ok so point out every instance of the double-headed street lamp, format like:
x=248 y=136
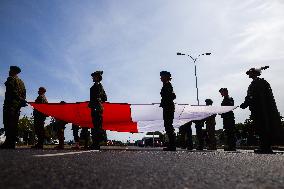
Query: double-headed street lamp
x=194 y=61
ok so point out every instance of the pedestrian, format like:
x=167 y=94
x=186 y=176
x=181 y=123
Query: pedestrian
x=97 y=98
x=15 y=98
x=228 y=121
x=264 y=112
x=167 y=103
x=39 y=119
x=210 y=123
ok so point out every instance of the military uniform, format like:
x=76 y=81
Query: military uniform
x=39 y=119
x=97 y=97
x=229 y=124
x=264 y=113
x=168 y=106
x=15 y=96
x=210 y=129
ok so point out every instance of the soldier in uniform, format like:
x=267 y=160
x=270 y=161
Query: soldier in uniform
x=168 y=106
x=264 y=112
x=228 y=121
x=97 y=97
x=39 y=119
x=210 y=128
x=15 y=96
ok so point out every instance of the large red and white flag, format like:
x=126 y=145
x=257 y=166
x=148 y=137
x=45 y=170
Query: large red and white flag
x=123 y=117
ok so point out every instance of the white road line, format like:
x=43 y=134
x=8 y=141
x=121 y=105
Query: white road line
x=66 y=153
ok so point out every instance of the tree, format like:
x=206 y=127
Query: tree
x=26 y=129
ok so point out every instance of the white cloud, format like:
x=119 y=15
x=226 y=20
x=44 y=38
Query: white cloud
x=2 y=92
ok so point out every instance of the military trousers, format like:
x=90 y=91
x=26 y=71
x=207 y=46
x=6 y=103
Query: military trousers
x=39 y=129
x=75 y=130
x=199 y=135
x=97 y=131
x=168 y=116
x=10 y=121
x=229 y=127
x=210 y=128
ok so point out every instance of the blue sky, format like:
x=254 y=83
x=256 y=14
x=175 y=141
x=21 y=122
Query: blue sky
x=59 y=43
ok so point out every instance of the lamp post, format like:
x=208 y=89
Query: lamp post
x=195 y=70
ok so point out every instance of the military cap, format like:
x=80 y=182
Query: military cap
x=100 y=73
x=16 y=69
x=223 y=89
x=165 y=73
x=254 y=71
x=208 y=102
x=42 y=89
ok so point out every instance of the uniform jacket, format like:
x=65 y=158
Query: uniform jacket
x=41 y=99
x=168 y=95
x=228 y=101
x=262 y=105
x=97 y=97
x=15 y=94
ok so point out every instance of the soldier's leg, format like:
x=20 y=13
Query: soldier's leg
x=189 y=142
x=97 y=130
x=85 y=136
x=168 y=115
x=39 y=130
x=7 y=117
x=229 y=129
x=211 y=137
x=199 y=136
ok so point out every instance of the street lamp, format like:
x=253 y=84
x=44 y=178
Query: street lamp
x=194 y=61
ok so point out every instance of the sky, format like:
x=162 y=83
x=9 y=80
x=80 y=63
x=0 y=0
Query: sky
x=58 y=44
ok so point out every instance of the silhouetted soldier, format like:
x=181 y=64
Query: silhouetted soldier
x=60 y=127
x=210 y=128
x=97 y=97
x=39 y=119
x=167 y=103
x=264 y=113
x=228 y=121
x=186 y=136
x=15 y=96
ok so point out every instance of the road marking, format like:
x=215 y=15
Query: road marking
x=66 y=153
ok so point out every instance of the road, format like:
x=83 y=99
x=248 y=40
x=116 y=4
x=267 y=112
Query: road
x=139 y=168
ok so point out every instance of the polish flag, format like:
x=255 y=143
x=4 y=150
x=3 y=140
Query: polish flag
x=123 y=117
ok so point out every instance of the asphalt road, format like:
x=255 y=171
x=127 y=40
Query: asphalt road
x=139 y=168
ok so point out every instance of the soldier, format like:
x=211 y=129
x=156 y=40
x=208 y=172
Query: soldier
x=168 y=106
x=210 y=128
x=264 y=113
x=39 y=119
x=97 y=97
x=15 y=96
x=60 y=127
x=228 y=121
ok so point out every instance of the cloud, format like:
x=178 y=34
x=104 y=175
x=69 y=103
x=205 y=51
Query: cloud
x=2 y=92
